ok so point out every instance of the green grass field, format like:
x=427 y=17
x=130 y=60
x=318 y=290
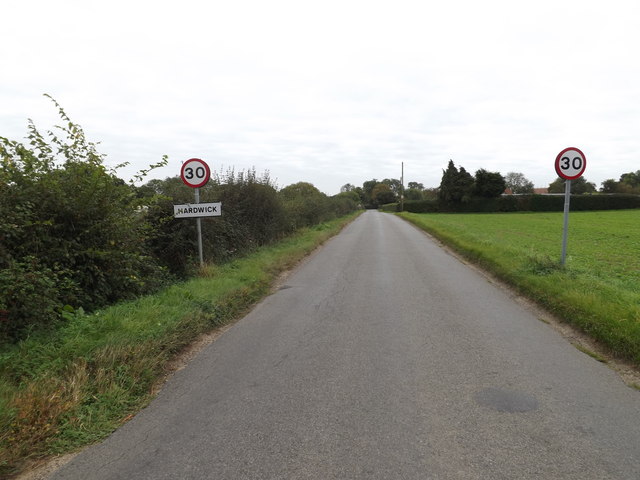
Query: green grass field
x=598 y=289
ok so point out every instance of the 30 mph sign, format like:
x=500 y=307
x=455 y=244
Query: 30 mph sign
x=195 y=173
x=570 y=163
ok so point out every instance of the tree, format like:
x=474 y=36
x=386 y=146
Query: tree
x=394 y=184
x=578 y=187
x=609 y=186
x=345 y=202
x=300 y=189
x=413 y=194
x=464 y=186
x=489 y=184
x=518 y=183
x=632 y=179
x=382 y=194
x=367 y=189
x=629 y=183
x=456 y=185
x=414 y=191
x=447 y=184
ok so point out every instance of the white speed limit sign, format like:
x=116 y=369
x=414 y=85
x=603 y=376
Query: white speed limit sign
x=570 y=163
x=195 y=173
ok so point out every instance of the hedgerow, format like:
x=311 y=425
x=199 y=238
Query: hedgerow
x=73 y=235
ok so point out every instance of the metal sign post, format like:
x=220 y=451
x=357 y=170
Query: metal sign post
x=565 y=231
x=199 y=227
x=195 y=173
x=570 y=165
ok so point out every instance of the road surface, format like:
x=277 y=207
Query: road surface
x=382 y=357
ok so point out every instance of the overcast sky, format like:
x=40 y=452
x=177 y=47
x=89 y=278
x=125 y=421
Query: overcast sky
x=332 y=92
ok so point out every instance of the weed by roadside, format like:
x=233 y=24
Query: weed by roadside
x=542 y=265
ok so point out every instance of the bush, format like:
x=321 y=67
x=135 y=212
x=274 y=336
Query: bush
x=71 y=232
x=74 y=235
x=32 y=296
x=305 y=205
x=252 y=215
x=344 y=203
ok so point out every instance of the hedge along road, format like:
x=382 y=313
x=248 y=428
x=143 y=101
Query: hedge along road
x=382 y=357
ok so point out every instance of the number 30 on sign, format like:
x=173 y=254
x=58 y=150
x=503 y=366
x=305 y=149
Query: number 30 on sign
x=570 y=163
x=195 y=173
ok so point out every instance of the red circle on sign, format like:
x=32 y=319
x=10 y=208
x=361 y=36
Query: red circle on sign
x=195 y=173
x=570 y=163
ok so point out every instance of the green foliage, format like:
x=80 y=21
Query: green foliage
x=381 y=194
x=488 y=184
x=518 y=183
x=375 y=193
x=31 y=296
x=456 y=185
x=346 y=202
x=70 y=230
x=304 y=205
x=539 y=264
x=413 y=194
x=252 y=211
x=422 y=206
x=629 y=183
x=463 y=187
x=367 y=188
x=74 y=235
x=254 y=214
x=528 y=203
x=578 y=187
x=631 y=178
x=609 y=186
x=394 y=185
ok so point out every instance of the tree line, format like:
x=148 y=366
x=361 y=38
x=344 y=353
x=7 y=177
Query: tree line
x=458 y=186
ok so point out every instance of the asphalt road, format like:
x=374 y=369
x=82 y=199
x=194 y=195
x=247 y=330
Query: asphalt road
x=382 y=357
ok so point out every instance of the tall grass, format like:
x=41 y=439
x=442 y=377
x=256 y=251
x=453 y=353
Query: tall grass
x=67 y=389
x=599 y=287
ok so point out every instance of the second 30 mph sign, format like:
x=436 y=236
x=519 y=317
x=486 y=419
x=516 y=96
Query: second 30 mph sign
x=570 y=163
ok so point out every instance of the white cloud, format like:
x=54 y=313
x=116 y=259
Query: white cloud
x=333 y=92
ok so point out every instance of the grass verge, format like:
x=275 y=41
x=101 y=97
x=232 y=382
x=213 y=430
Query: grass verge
x=598 y=289
x=63 y=390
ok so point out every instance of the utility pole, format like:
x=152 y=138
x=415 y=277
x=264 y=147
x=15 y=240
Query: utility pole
x=402 y=189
